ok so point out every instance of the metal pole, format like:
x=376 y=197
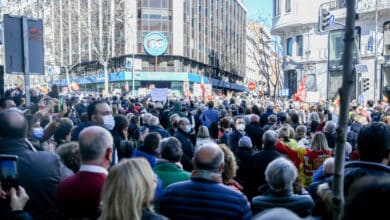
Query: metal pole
x=26 y=60
x=376 y=50
x=155 y=64
x=132 y=71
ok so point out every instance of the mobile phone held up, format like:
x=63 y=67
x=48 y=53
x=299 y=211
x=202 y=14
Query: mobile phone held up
x=8 y=171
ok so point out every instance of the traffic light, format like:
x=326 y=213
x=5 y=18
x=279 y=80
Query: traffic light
x=365 y=84
x=325 y=16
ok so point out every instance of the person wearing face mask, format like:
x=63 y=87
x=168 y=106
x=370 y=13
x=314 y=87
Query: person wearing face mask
x=237 y=133
x=99 y=113
x=173 y=124
x=183 y=134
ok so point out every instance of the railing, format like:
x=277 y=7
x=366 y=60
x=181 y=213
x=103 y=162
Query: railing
x=361 y=5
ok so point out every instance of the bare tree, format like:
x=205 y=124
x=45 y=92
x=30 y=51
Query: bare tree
x=258 y=51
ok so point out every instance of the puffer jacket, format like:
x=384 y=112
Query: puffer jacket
x=203 y=199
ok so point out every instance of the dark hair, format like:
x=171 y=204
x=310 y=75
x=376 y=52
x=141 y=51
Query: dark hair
x=373 y=142
x=366 y=198
x=170 y=149
x=210 y=104
x=295 y=118
x=91 y=109
x=224 y=123
x=65 y=128
x=121 y=122
x=151 y=143
x=3 y=102
x=12 y=128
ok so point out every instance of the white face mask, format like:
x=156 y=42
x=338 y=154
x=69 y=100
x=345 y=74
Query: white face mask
x=108 y=122
x=240 y=127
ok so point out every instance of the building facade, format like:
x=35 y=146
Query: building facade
x=259 y=56
x=206 y=41
x=318 y=55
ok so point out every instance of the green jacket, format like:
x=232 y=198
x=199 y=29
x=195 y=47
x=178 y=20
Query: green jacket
x=170 y=173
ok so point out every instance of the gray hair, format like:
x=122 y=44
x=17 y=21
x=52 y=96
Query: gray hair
x=146 y=117
x=281 y=174
x=214 y=163
x=170 y=149
x=93 y=142
x=270 y=137
x=329 y=165
x=330 y=126
x=314 y=116
x=153 y=120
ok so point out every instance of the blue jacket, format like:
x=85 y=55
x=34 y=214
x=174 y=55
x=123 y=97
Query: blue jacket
x=208 y=117
x=150 y=158
x=203 y=199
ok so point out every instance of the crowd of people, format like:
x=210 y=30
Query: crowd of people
x=94 y=157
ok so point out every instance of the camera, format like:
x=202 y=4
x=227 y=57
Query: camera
x=8 y=171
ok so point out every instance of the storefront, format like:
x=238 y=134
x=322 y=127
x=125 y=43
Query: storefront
x=177 y=82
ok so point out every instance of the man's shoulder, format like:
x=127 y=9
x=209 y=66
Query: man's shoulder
x=81 y=178
x=353 y=167
x=202 y=186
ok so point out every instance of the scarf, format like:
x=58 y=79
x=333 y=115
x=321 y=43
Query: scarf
x=207 y=175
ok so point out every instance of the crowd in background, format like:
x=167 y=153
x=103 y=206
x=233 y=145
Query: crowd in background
x=239 y=157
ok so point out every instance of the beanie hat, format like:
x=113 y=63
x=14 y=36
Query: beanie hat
x=245 y=141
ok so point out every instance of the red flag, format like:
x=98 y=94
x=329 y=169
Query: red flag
x=301 y=93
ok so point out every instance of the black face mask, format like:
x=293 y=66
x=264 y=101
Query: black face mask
x=174 y=124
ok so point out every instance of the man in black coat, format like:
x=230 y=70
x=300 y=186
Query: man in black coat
x=38 y=172
x=237 y=133
x=254 y=131
x=260 y=161
x=183 y=134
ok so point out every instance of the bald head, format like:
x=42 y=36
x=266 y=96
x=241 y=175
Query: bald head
x=209 y=157
x=13 y=124
x=93 y=142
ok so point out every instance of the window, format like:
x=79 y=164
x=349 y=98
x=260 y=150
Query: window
x=336 y=44
x=288 y=6
x=386 y=38
x=300 y=45
x=277 y=8
x=289 y=46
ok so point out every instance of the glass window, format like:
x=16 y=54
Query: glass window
x=386 y=38
x=155 y=3
x=289 y=46
x=300 y=45
x=155 y=25
x=288 y=6
x=155 y=16
x=336 y=44
x=277 y=8
x=145 y=3
x=164 y=4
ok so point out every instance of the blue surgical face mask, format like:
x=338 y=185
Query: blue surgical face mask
x=38 y=133
x=187 y=129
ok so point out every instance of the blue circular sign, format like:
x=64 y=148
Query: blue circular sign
x=155 y=44
x=331 y=20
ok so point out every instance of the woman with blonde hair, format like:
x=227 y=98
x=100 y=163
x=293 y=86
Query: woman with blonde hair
x=202 y=136
x=230 y=168
x=315 y=156
x=135 y=179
